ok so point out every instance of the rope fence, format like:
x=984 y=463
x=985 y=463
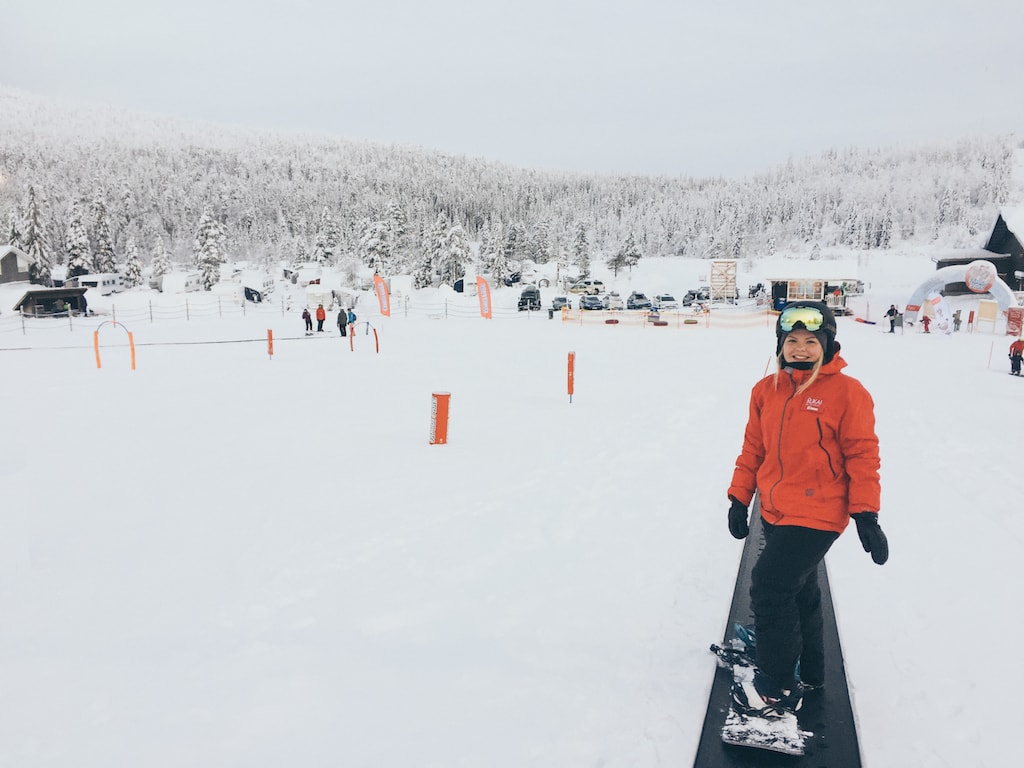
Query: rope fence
x=206 y=307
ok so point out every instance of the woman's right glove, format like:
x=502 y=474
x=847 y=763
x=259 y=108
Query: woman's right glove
x=871 y=536
x=738 y=519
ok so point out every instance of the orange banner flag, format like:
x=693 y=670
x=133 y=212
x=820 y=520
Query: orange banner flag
x=382 y=295
x=483 y=292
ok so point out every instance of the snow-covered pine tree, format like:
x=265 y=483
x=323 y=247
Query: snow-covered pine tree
x=453 y=257
x=161 y=260
x=14 y=232
x=631 y=252
x=132 y=265
x=375 y=247
x=516 y=245
x=104 y=260
x=76 y=244
x=209 y=249
x=581 y=251
x=617 y=261
x=434 y=243
x=492 y=253
x=398 y=233
x=34 y=243
x=540 y=245
x=326 y=239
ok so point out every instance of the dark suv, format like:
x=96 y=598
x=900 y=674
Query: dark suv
x=638 y=300
x=529 y=299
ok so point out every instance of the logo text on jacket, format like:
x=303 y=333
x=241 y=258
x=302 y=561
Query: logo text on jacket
x=813 y=404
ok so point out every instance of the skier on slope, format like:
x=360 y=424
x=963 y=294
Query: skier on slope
x=811 y=452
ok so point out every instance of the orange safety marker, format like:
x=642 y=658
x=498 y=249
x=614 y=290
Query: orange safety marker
x=96 y=341
x=270 y=343
x=572 y=374
x=439 y=417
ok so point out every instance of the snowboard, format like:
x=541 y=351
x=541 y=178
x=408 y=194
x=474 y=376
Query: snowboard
x=778 y=733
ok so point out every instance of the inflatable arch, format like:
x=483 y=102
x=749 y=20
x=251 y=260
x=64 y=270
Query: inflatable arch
x=959 y=273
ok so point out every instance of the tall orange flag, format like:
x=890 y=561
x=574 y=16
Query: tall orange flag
x=483 y=292
x=382 y=295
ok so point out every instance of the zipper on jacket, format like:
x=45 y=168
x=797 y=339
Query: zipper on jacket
x=821 y=444
x=782 y=427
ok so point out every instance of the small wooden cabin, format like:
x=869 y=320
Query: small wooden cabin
x=49 y=302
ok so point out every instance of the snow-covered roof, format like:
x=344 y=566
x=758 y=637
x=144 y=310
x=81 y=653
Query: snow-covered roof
x=22 y=257
x=1014 y=218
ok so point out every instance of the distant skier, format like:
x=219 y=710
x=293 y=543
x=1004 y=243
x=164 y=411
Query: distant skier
x=309 y=320
x=811 y=453
x=926 y=321
x=892 y=313
x=1016 y=352
x=321 y=315
x=343 y=321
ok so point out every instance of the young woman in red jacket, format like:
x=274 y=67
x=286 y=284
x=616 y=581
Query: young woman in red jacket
x=811 y=453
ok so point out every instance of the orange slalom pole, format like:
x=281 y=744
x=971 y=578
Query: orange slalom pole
x=131 y=345
x=351 y=338
x=376 y=340
x=439 y=417
x=571 y=374
x=270 y=343
x=96 y=346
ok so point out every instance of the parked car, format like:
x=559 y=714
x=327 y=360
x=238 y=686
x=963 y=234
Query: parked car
x=637 y=300
x=560 y=301
x=590 y=287
x=695 y=297
x=529 y=299
x=591 y=302
x=664 y=302
x=613 y=301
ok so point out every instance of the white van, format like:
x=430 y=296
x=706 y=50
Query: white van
x=258 y=285
x=181 y=282
x=106 y=282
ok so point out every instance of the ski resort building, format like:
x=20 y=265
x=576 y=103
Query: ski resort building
x=14 y=264
x=832 y=290
x=1004 y=249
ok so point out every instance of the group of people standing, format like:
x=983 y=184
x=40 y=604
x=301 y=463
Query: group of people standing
x=346 y=317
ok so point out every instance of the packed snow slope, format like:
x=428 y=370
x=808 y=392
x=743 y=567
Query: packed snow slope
x=232 y=559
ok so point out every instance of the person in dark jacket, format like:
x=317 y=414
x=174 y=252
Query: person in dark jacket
x=892 y=313
x=309 y=320
x=810 y=452
x=343 y=321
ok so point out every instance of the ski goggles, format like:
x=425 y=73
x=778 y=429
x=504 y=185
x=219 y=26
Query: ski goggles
x=809 y=317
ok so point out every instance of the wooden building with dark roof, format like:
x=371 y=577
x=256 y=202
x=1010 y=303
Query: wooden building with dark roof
x=47 y=302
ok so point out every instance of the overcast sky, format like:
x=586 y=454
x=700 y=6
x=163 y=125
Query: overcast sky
x=673 y=87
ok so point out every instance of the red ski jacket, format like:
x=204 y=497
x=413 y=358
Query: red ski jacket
x=812 y=457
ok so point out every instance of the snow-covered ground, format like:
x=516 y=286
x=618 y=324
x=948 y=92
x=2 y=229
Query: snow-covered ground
x=227 y=559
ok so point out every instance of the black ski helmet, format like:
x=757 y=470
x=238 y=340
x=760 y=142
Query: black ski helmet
x=826 y=333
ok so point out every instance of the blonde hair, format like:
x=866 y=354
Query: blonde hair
x=815 y=370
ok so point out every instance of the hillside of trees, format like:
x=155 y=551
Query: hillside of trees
x=92 y=188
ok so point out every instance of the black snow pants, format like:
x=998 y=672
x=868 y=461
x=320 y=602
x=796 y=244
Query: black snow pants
x=786 y=600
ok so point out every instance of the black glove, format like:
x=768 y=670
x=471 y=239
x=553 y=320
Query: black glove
x=871 y=536
x=738 y=519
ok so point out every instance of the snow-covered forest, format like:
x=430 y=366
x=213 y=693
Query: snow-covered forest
x=91 y=187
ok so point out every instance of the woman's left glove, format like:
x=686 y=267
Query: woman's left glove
x=871 y=536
